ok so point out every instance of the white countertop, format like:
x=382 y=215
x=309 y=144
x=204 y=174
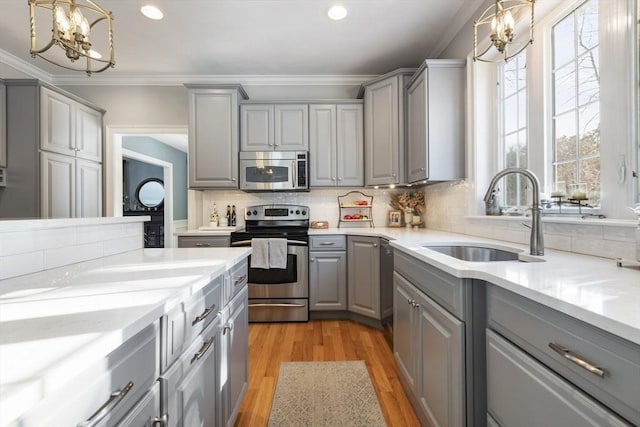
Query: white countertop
x=60 y=321
x=588 y=288
x=208 y=231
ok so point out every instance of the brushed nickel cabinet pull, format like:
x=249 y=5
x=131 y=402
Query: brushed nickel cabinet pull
x=204 y=314
x=203 y=245
x=163 y=421
x=240 y=280
x=198 y=355
x=108 y=406
x=574 y=358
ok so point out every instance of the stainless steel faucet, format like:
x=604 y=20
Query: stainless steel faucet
x=536 y=245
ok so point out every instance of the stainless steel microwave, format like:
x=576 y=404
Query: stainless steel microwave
x=274 y=171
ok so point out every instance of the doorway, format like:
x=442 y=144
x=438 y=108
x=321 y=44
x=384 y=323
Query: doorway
x=113 y=178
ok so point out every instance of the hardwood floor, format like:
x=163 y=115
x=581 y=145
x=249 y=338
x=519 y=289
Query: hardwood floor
x=320 y=340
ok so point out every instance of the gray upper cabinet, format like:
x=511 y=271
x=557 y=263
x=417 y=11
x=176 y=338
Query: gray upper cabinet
x=435 y=128
x=268 y=127
x=213 y=135
x=54 y=144
x=336 y=145
x=384 y=128
x=3 y=125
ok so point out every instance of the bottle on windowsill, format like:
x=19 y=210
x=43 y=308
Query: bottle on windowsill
x=213 y=220
x=232 y=223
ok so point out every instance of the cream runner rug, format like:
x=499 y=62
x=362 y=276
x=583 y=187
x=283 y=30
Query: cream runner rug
x=325 y=394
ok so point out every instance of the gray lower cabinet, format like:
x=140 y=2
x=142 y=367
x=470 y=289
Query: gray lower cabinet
x=572 y=373
x=204 y=241
x=327 y=281
x=523 y=392
x=429 y=350
x=385 y=128
x=336 y=145
x=234 y=372
x=435 y=124
x=363 y=275
x=213 y=135
x=145 y=413
x=190 y=386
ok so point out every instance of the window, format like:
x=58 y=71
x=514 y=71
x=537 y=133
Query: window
x=512 y=86
x=576 y=101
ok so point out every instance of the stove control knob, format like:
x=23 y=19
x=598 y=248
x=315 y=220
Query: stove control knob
x=291 y=211
x=298 y=212
x=304 y=212
x=255 y=212
x=248 y=213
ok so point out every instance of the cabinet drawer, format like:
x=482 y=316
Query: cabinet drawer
x=204 y=242
x=183 y=323
x=536 y=328
x=115 y=383
x=145 y=411
x=523 y=392
x=327 y=243
x=445 y=289
x=236 y=280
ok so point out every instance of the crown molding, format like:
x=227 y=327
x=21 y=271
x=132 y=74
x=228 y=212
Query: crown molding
x=24 y=67
x=180 y=80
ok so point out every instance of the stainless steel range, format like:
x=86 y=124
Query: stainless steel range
x=278 y=294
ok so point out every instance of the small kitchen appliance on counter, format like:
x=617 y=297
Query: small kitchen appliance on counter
x=278 y=294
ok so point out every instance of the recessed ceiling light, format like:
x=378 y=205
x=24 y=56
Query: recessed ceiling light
x=337 y=12
x=151 y=12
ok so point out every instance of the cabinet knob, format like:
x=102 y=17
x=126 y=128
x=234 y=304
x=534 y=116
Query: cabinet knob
x=233 y=179
x=339 y=178
x=375 y=245
x=393 y=175
x=333 y=178
x=423 y=169
x=312 y=260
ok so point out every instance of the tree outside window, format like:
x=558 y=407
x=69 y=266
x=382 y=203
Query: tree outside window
x=576 y=100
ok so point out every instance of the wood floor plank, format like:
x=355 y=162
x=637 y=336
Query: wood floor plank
x=320 y=340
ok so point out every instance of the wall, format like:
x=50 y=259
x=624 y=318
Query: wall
x=136 y=172
x=154 y=148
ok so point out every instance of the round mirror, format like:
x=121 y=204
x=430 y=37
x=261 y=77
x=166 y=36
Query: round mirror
x=150 y=193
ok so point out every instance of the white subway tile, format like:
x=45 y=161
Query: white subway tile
x=18 y=242
x=24 y=263
x=557 y=241
x=602 y=248
x=620 y=234
x=124 y=244
x=63 y=256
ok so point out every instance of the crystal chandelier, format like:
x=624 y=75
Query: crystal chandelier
x=76 y=26
x=500 y=17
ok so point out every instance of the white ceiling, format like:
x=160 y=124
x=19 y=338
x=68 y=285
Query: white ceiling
x=257 y=37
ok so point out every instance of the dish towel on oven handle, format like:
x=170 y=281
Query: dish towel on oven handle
x=278 y=253
x=259 y=253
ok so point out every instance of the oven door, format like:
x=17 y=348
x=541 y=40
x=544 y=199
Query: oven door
x=291 y=282
x=271 y=174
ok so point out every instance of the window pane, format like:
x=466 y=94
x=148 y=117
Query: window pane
x=589 y=77
x=566 y=172
x=522 y=109
x=522 y=69
x=589 y=130
x=511 y=114
x=590 y=175
x=565 y=88
x=511 y=150
x=587 y=25
x=523 y=152
x=510 y=78
x=565 y=136
x=563 y=42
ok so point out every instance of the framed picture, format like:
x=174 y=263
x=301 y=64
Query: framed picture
x=395 y=218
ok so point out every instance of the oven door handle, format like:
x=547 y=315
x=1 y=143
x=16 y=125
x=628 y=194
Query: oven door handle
x=277 y=305
x=289 y=243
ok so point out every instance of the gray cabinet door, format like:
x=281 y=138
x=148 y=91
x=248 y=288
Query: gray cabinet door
x=327 y=281
x=235 y=377
x=204 y=241
x=441 y=366
x=405 y=332
x=382 y=133
x=88 y=134
x=57 y=189
x=364 y=275
x=322 y=145
x=3 y=125
x=213 y=138
x=88 y=189
x=145 y=411
x=256 y=127
x=350 y=145
x=523 y=392
x=417 y=130
x=291 y=127
x=57 y=121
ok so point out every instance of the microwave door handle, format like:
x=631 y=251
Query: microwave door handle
x=293 y=173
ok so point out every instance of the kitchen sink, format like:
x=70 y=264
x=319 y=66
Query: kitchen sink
x=476 y=253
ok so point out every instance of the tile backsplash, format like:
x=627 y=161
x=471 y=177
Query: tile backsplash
x=25 y=250
x=323 y=204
